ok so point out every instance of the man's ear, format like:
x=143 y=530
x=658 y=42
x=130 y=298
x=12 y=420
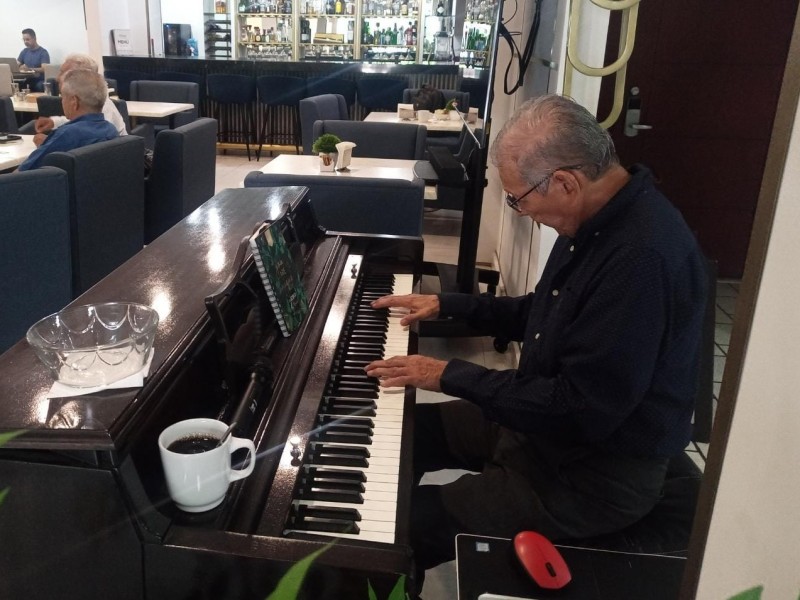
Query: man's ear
x=567 y=181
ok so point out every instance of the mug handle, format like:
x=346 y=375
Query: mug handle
x=236 y=444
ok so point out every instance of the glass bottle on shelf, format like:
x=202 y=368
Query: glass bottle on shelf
x=366 y=37
x=350 y=32
x=338 y=7
x=404 y=8
x=440 y=9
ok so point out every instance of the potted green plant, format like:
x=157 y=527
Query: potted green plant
x=451 y=109
x=325 y=146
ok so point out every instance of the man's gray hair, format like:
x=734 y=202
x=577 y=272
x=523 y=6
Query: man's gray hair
x=89 y=86
x=550 y=132
x=79 y=61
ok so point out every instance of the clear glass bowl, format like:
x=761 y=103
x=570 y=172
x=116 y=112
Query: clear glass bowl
x=95 y=344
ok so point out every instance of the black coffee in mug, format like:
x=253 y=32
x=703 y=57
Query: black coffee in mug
x=194 y=444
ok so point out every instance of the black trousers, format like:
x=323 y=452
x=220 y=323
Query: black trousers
x=522 y=482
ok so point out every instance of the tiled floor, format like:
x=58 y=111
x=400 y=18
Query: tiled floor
x=441 y=230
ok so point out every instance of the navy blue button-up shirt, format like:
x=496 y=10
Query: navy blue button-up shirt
x=610 y=336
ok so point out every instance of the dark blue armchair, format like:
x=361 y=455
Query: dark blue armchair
x=320 y=108
x=378 y=140
x=106 y=206
x=356 y=204
x=36 y=269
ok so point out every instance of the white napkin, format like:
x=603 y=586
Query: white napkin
x=59 y=390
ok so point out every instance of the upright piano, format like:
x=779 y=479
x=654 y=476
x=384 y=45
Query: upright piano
x=86 y=512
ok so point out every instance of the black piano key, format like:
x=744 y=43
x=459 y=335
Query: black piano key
x=327 y=420
x=340 y=456
x=331 y=520
x=349 y=492
x=327 y=474
x=344 y=436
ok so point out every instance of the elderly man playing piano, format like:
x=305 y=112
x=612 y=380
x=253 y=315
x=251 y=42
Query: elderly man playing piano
x=575 y=441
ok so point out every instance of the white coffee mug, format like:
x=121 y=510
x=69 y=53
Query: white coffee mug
x=199 y=482
x=423 y=116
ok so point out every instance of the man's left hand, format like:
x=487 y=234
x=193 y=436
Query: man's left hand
x=422 y=372
x=39 y=139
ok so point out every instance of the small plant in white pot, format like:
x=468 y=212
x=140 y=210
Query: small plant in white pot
x=325 y=146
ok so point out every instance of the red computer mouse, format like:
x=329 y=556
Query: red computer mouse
x=541 y=560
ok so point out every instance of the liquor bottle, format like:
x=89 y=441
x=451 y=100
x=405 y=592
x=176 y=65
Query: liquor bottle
x=413 y=34
x=366 y=38
x=287 y=7
x=257 y=34
x=440 y=9
x=242 y=6
x=408 y=35
x=350 y=32
x=329 y=7
x=305 y=31
x=338 y=8
x=404 y=8
x=396 y=35
x=376 y=37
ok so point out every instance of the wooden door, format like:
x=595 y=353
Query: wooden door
x=708 y=75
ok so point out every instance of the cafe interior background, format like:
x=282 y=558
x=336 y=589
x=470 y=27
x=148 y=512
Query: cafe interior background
x=751 y=534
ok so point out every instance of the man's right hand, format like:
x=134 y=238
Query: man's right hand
x=44 y=125
x=420 y=306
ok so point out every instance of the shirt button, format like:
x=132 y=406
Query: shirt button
x=572 y=248
x=536 y=337
x=596 y=233
x=555 y=292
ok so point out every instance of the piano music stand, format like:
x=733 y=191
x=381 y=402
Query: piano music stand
x=464 y=276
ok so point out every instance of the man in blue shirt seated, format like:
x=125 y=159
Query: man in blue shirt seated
x=83 y=94
x=31 y=59
x=575 y=441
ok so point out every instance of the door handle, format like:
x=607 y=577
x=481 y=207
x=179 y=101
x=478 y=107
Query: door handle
x=634 y=112
x=632 y=125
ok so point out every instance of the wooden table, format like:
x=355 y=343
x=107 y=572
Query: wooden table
x=442 y=125
x=29 y=105
x=379 y=168
x=12 y=154
x=136 y=108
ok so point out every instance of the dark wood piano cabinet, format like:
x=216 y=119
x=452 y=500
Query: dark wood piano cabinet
x=87 y=514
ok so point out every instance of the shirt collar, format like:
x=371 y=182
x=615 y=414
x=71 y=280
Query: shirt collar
x=618 y=203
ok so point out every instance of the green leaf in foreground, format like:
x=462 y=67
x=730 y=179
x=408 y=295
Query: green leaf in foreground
x=398 y=593
x=751 y=594
x=289 y=585
x=7 y=437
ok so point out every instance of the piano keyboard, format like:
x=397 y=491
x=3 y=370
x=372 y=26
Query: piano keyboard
x=349 y=480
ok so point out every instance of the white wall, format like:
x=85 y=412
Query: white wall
x=59 y=25
x=754 y=536
x=523 y=248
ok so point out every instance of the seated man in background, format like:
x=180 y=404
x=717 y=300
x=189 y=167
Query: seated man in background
x=45 y=125
x=31 y=59
x=83 y=93
x=575 y=441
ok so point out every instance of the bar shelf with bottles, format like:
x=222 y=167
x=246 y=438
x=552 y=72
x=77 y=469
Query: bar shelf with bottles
x=327 y=30
x=217 y=31
x=476 y=40
x=265 y=30
x=389 y=31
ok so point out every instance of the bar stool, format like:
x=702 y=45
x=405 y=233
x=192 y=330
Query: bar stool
x=376 y=92
x=275 y=91
x=346 y=88
x=233 y=91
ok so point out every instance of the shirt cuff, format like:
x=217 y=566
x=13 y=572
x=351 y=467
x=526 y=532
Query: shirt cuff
x=455 y=305
x=458 y=379
x=59 y=121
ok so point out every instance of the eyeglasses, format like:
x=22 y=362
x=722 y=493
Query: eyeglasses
x=513 y=201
